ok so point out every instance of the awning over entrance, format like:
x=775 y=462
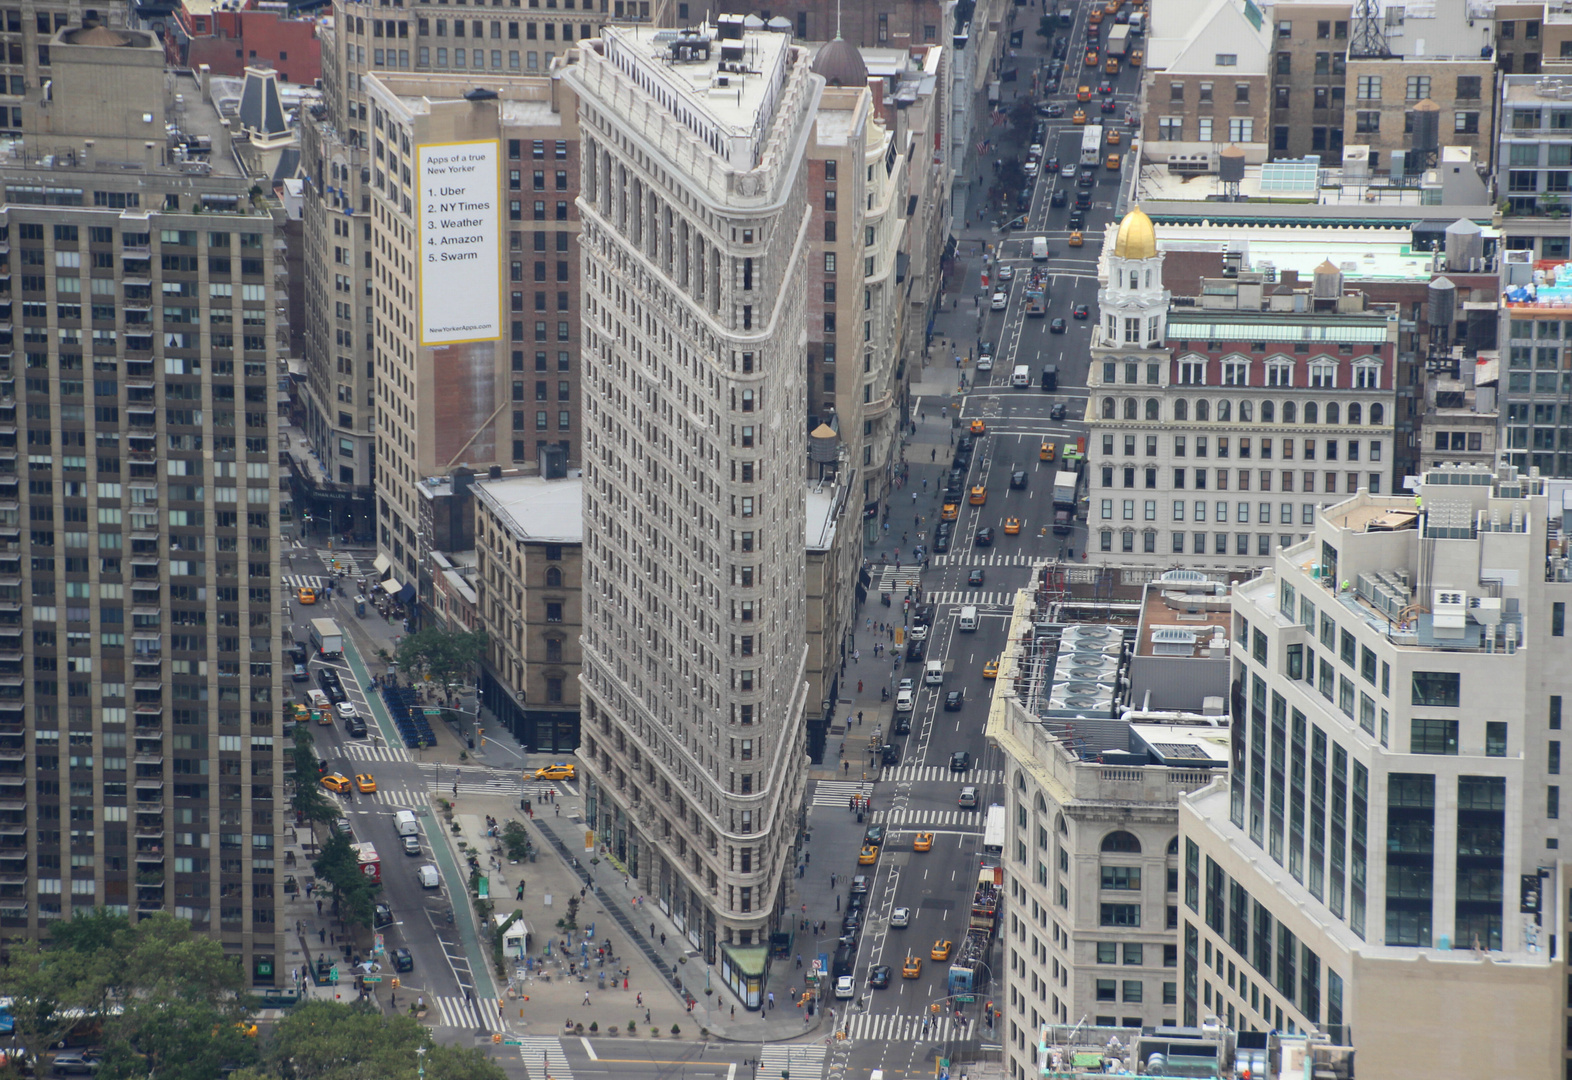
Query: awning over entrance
x=382 y=562
x=391 y=587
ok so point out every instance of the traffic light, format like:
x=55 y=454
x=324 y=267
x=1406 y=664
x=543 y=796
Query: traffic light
x=395 y=982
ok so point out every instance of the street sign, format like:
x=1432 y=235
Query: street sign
x=431 y=712
x=372 y=978
x=512 y=1042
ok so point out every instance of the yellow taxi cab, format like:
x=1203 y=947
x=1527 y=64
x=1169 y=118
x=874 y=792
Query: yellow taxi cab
x=1136 y=56
x=1046 y=451
x=559 y=771
x=1091 y=57
x=296 y=713
x=1096 y=19
x=979 y=495
x=336 y=782
x=1012 y=526
x=991 y=669
x=1078 y=117
x=306 y=595
x=978 y=427
x=1112 y=7
x=248 y=1028
x=924 y=842
x=1114 y=137
x=912 y=968
x=868 y=855
x=1083 y=93
x=323 y=717
x=1075 y=240
x=941 y=950
x=1111 y=67
x=1112 y=163
x=365 y=783
x=950 y=511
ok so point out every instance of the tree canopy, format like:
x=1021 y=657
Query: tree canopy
x=441 y=655
x=325 y=1040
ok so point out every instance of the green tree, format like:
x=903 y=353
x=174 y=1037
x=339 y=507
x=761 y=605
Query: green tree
x=324 y=1040
x=355 y=894
x=515 y=840
x=441 y=655
x=1045 y=28
x=309 y=801
x=1023 y=115
x=52 y=992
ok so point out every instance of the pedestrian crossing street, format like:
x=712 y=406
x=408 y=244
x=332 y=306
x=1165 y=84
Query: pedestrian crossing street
x=893 y=1027
x=543 y=1057
x=366 y=752
x=457 y=1012
x=441 y=779
x=986 y=558
x=933 y=774
x=979 y=597
x=803 y=1062
x=898 y=579
x=928 y=819
x=837 y=792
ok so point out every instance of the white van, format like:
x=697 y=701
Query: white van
x=1021 y=377
x=404 y=822
x=318 y=699
x=904 y=701
x=968 y=619
x=968 y=799
x=429 y=877
x=933 y=673
x=1039 y=249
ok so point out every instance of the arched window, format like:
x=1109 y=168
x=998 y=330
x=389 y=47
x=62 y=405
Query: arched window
x=1122 y=842
x=1153 y=409
x=1173 y=846
x=1108 y=408
x=1203 y=409
x=1355 y=413
x=1042 y=805
x=1312 y=412
x=1290 y=412
x=1225 y=411
x=1333 y=413
x=1246 y=411
x=1060 y=825
x=1377 y=415
x=1268 y=412
x=1181 y=409
x=553 y=577
x=1129 y=408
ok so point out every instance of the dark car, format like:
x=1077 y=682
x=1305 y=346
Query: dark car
x=914 y=649
x=962 y=459
x=1057 y=325
x=975 y=578
x=297 y=653
x=403 y=960
x=856 y=902
x=960 y=761
x=944 y=528
x=941 y=543
x=903 y=724
x=336 y=693
x=953 y=702
x=965 y=443
x=382 y=915
x=1109 y=105
x=851 y=923
x=341 y=827
x=984 y=537
x=956 y=476
x=300 y=673
x=1059 y=197
x=1018 y=479
x=879 y=977
x=1085 y=178
x=1057 y=412
x=1105 y=87
x=1023 y=199
x=954 y=491
x=356 y=727
x=1060 y=47
x=326 y=678
x=1080 y=311
x=924 y=613
x=1051 y=163
x=1077 y=219
x=873 y=835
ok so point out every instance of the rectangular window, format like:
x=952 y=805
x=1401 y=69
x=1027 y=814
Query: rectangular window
x=1433 y=737
x=1436 y=689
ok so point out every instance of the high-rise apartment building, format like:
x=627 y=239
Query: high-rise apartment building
x=26 y=31
x=141 y=692
x=696 y=231
x=1384 y=863
x=493 y=47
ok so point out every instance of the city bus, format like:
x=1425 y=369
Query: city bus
x=993 y=837
x=1091 y=144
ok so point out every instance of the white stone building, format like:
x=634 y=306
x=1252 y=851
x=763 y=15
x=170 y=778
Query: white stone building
x=1218 y=423
x=695 y=231
x=1384 y=862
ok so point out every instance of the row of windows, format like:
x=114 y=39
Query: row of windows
x=1285 y=513
x=1244 y=448
x=1203 y=409
x=1200 y=543
x=1242 y=478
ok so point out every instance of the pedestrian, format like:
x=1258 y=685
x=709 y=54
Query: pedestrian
x=832 y=879
x=663 y=939
x=933 y=455
x=799 y=960
x=859 y=686
x=520 y=895
x=845 y=767
x=393 y=1001
x=322 y=936
x=859 y=718
x=319 y=907
x=734 y=1012
x=914 y=497
x=639 y=1000
x=586 y=998
x=652 y=929
x=772 y=999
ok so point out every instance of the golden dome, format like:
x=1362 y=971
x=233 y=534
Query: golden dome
x=1137 y=239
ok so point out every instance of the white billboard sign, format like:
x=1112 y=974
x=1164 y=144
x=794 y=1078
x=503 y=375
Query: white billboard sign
x=461 y=231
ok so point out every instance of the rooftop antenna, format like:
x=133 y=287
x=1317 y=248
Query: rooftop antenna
x=837 y=18
x=1369 y=36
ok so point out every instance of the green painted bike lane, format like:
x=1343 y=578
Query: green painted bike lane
x=458 y=897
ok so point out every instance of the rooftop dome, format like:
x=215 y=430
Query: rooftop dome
x=1137 y=239
x=841 y=64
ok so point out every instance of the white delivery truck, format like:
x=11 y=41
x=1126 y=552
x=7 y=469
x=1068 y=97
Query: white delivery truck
x=968 y=619
x=1021 y=377
x=1040 y=248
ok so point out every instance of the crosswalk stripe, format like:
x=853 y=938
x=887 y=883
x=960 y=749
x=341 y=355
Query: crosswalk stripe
x=929 y=774
x=975 y=597
x=401 y=798
x=303 y=581
x=979 y=558
x=803 y=1062
x=457 y=1012
x=927 y=819
x=890 y=1027
x=899 y=578
x=544 y=1050
x=367 y=752
x=836 y=792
